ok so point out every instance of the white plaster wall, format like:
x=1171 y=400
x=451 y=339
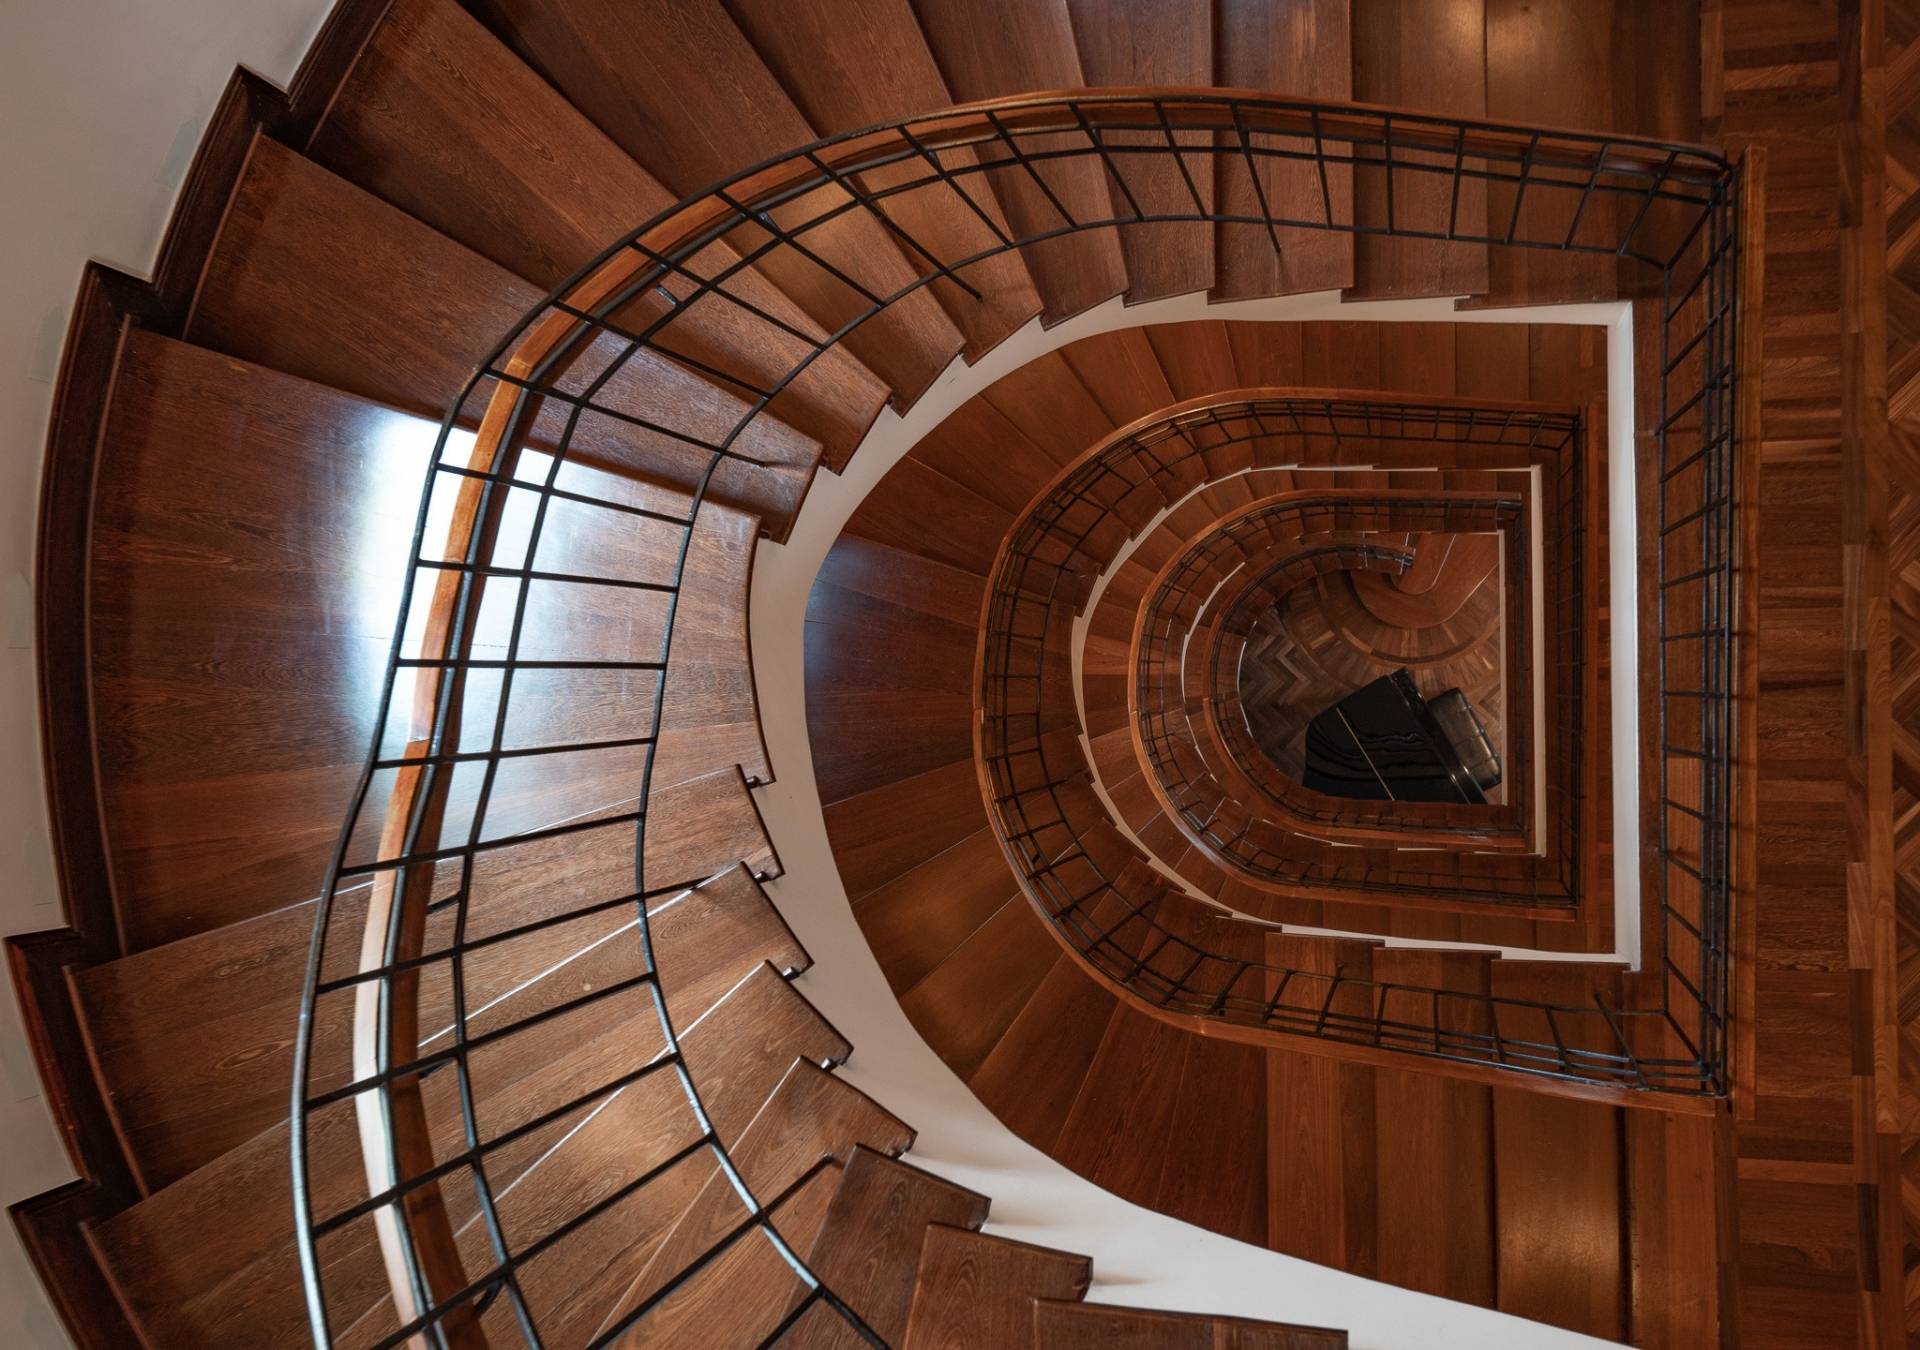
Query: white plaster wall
x=101 y=106
x=1140 y=1258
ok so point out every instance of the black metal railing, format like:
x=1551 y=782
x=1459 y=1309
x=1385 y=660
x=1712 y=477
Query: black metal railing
x=406 y=1183
x=1213 y=573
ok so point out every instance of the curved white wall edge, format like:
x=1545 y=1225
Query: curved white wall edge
x=1140 y=1258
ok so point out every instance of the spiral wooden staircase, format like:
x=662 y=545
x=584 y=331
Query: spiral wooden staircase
x=427 y=980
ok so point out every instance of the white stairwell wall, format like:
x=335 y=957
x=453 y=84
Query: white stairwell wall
x=102 y=103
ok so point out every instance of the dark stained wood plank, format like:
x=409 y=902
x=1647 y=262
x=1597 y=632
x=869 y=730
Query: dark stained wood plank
x=1125 y=43
x=1297 y=48
x=683 y=92
x=1430 y=57
x=989 y=48
x=434 y=95
x=868 y=1249
x=974 y=1290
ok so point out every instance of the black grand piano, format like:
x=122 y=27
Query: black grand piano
x=1384 y=742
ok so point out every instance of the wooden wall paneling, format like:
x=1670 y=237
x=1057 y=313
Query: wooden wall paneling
x=1122 y=372
x=1322 y=1165
x=1431 y=58
x=1342 y=355
x=855 y=65
x=1089 y=1326
x=1168 y=43
x=1195 y=356
x=1419 y=358
x=1301 y=49
x=1873 y=970
x=918 y=919
x=857 y=689
x=1558 y=1226
x=1267 y=354
x=883 y=832
x=1679 y=1171
x=896 y=513
x=989 y=48
x=1051 y=406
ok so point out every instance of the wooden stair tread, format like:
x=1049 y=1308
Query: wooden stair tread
x=192 y=1041
x=868 y=1250
x=1126 y=43
x=811 y=1116
x=241 y=1205
x=851 y=69
x=434 y=94
x=973 y=1289
x=988 y=48
x=657 y=83
x=1085 y=1326
x=379 y=304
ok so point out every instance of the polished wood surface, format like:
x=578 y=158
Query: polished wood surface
x=868 y=1249
x=972 y=1289
x=1815 y=1174
x=855 y=66
x=662 y=82
x=990 y=48
x=1092 y=1326
x=434 y=95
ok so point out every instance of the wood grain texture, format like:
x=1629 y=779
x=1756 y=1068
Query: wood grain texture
x=975 y=1290
x=987 y=48
x=1430 y=57
x=434 y=95
x=868 y=1248
x=1091 y=1326
x=683 y=92
x=851 y=66
x=1154 y=42
x=1300 y=48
